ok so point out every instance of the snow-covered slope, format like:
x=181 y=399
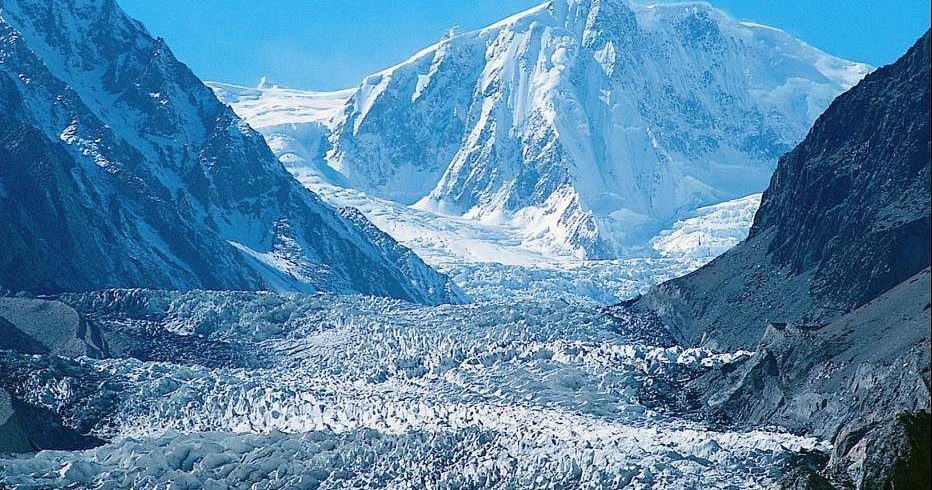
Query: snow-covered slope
x=494 y=261
x=489 y=261
x=295 y=123
x=589 y=123
x=708 y=231
x=120 y=168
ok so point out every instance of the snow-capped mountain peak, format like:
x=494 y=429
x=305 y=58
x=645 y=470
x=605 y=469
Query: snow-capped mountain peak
x=590 y=122
x=266 y=83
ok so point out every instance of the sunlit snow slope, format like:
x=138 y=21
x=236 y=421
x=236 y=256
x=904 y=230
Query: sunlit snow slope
x=588 y=124
x=488 y=259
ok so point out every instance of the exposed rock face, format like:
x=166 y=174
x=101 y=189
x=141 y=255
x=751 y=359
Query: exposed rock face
x=832 y=287
x=852 y=201
x=119 y=168
x=39 y=326
x=846 y=218
x=827 y=370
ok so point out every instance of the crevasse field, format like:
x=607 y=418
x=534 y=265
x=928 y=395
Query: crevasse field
x=268 y=391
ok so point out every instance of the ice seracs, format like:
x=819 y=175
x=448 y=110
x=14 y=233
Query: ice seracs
x=487 y=396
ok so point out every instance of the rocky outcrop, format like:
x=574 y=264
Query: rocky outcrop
x=40 y=326
x=851 y=203
x=846 y=217
x=832 y=289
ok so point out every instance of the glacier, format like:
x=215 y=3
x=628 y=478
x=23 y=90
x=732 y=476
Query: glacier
x=565 y=158
x=491 y=395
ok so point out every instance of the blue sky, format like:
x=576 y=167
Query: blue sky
x=331 y=44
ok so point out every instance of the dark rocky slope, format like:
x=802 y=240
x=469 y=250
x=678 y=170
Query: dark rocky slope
x=831 y=288
x=845 y=218
x=119 y=168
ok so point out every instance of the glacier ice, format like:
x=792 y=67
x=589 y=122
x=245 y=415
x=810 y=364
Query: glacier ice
x=347 y=391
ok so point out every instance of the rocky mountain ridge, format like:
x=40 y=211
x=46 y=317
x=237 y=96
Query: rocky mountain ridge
x=831 y=289
x=121 y=169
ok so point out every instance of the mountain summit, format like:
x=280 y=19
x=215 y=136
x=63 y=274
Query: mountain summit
x=121 y=169
x=588 y=123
